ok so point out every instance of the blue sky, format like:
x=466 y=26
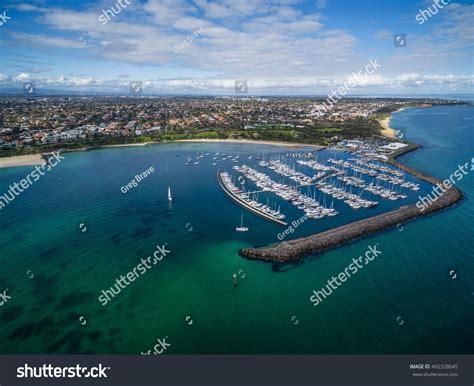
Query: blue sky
x=279 y=47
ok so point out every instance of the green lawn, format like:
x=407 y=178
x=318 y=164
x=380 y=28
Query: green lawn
x=329 y=129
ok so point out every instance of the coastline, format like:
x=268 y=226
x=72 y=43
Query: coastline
x=129 y=144
x=389 y=131
x=289 y=145
x=21 y=160
x=293 y=250
x=36 y=159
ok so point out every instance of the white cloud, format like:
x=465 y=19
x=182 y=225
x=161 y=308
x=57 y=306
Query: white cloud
x=267 y=42
x=48 y=40
x=383 y=35
x=321 y=4
x=319 y=85
x=263 y=45
x=22 y=77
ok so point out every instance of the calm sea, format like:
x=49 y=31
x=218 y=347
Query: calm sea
x=71 y=234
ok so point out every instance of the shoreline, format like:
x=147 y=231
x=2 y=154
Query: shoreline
x=389 y=131
x=21 y=160
x=128 y=145
x=293 y=250
x=36 y=159
x=290 y=145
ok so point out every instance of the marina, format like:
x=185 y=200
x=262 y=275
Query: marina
x=310 y=205
x=244 y=200
x=339 y=180
x=292 y=250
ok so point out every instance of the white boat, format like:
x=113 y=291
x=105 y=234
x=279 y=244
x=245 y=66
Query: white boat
x=169 y=195
x=241 y=228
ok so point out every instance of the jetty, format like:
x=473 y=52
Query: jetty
x=245 y=203
x=292 y=250
x=46 y=156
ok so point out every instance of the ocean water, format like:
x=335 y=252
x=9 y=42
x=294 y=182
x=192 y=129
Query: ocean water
x=72 y=233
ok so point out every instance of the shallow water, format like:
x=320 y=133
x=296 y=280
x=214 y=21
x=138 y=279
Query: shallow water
x=403 y=302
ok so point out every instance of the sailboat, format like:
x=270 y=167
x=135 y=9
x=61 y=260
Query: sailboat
x=169 y=195
x=241 y=228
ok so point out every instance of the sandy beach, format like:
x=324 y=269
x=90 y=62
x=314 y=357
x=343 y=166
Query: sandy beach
x=387 y=130
x=21 y=160
x=289 y=145
x=130 y=144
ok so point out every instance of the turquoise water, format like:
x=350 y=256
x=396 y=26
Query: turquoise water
x=403 y=302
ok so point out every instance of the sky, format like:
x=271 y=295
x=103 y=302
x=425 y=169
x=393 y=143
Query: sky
x=284 y=47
